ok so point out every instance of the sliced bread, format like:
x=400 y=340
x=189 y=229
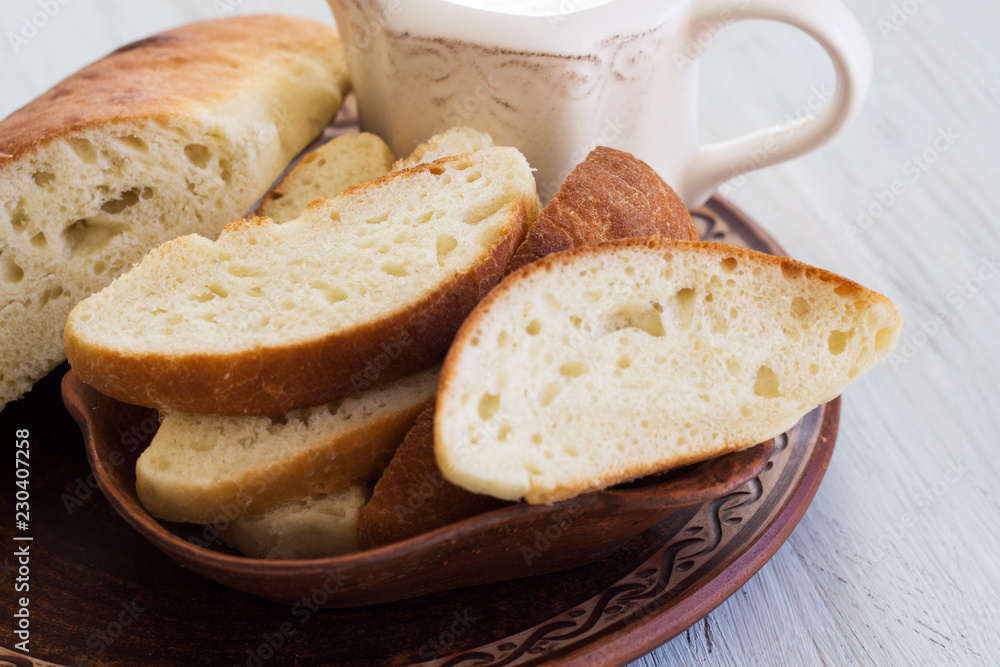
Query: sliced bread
x=360 y=290
x=610 y=195
x=320 y=525
x=412 y=497
x=454 y=141
x=177 y=133
x=326 y=172
x=603 y=364
x=206 y=469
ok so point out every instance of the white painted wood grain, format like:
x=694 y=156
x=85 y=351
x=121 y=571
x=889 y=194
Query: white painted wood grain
x=896 y=561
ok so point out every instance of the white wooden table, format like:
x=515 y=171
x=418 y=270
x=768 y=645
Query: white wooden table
x=897 y=561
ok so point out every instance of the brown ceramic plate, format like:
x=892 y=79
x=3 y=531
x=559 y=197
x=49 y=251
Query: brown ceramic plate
x=508 y=543
x=89 y=567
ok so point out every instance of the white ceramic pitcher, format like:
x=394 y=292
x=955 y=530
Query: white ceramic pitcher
x=622 y=74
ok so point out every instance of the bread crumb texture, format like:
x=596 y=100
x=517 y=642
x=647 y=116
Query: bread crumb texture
x=603 y=364
x=176 y=134
x=377 y=247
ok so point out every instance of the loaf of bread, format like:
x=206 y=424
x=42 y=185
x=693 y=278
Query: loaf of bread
x=320 y=525
x=606 y=363
x=207 y=469
x=412 y=497
x=360 y=290
x=177 y=133
x=326 y=172
x=610 y=195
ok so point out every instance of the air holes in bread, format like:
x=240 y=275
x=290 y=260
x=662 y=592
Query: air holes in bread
x=729 y=264
x=445 y=244
x=394 y=268
x=89 y=236
x=43 y=178
x=49 y=294
x=12 y=273
x=643 y=316
x=489 y=405
x=573 y=369
x=133 y=142
x=846 y=291
x=549 y=394
x=19 y=219
x=197 y=155
x=39 y=240
x=83 y=149
x=245 y=271
x=766 y=384
x=534 y=326
x=331 y=293
x=837 y=342
x=882 y=339
x=226 y=172
x=800 y=307
x=116 y=206
x=790 y=271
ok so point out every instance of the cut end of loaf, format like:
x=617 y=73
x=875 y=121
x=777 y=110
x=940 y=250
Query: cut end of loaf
x=603 y=364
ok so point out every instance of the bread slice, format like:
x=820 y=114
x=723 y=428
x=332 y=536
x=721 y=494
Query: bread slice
x=206 y=469
x=326 y=172
x=177 y=133
x=454 y=141
x=320 y=525
x=603 y=364
x=610 y=195
x=360 y=290
x=412 y=497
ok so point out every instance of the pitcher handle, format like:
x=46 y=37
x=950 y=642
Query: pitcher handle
x=837 y=30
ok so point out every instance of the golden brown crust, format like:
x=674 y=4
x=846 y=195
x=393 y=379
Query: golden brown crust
x=412 y=497
x=358 y=458
x=167 y=75
x=275 y=380
x=790 y=267
x=610 y=195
